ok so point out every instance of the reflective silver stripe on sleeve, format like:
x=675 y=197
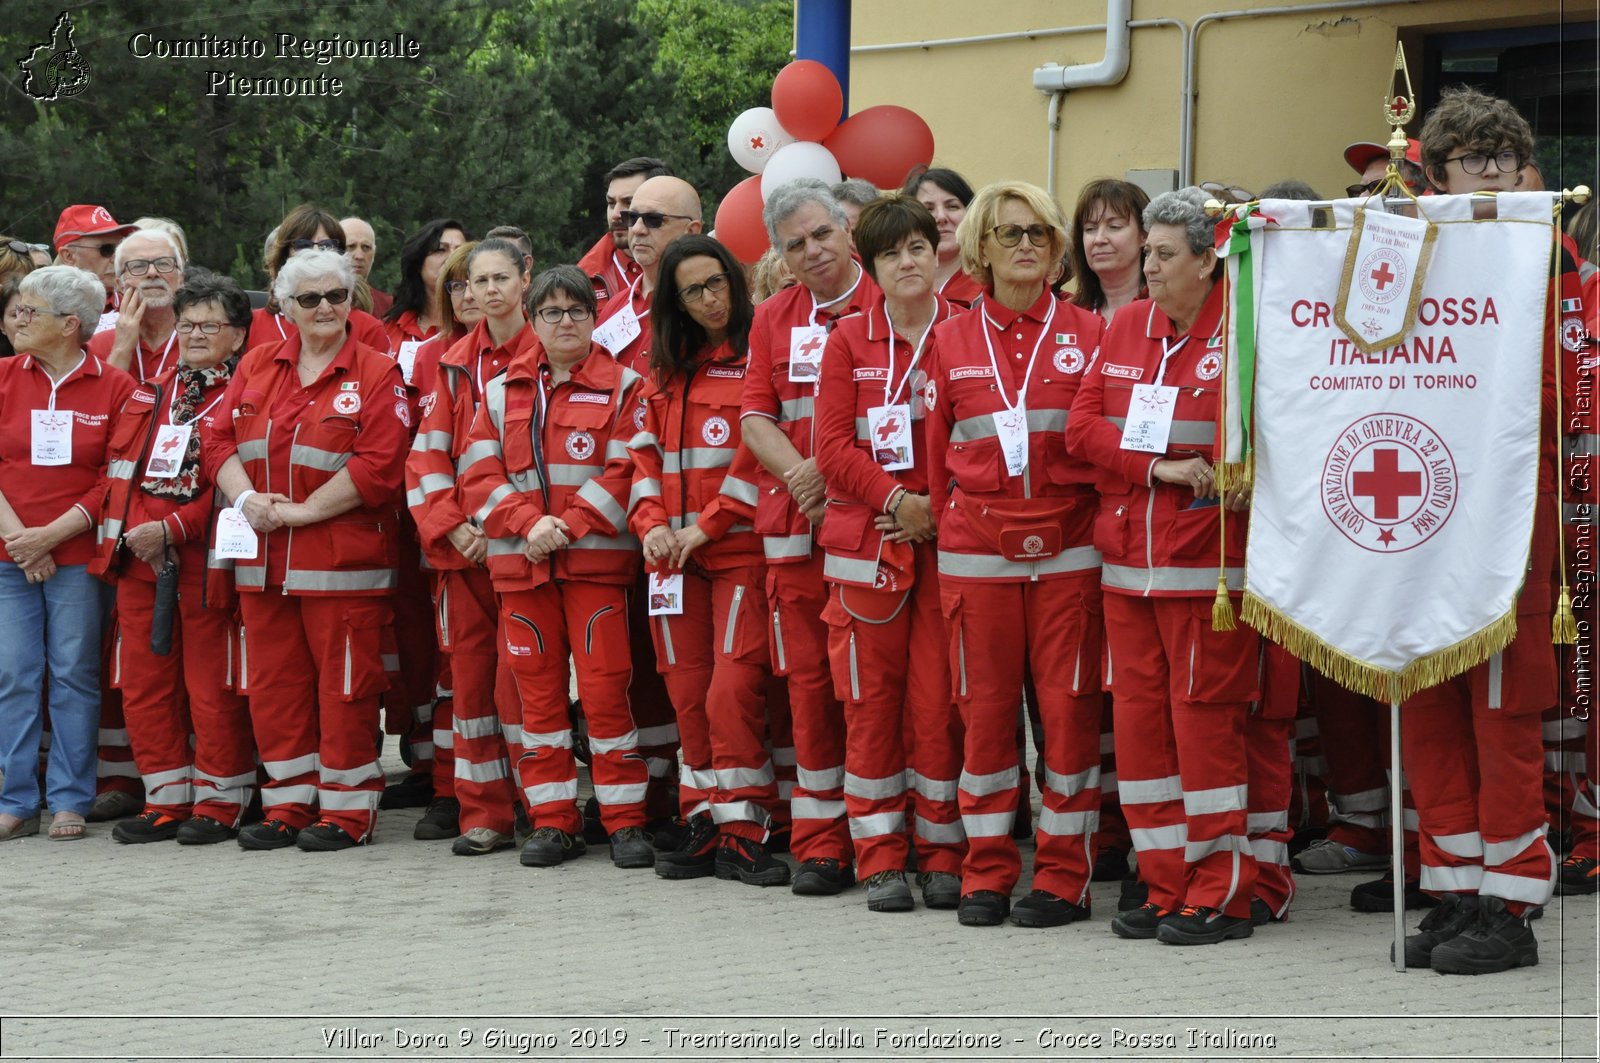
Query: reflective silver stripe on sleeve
x=252 y=450
x=740 y=490
x=795 y=409
x=434 y=440
x=121 y=469
x=315 y=458
x=608 y=507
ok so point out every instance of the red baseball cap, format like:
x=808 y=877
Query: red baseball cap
x=87 y=219
x=1361 y=154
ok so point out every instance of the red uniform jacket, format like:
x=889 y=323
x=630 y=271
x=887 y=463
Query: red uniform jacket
x=610 y=269
x=91 y=394
x=994 y=526
x=147 y=362
x=292 y=440
x=1156 y=538
x=856 y=377
x=267 y=327
x=537 y=449
x=769 y=393
x=188 y=524
x=691 y=466
x=457 y=382
x=635 y=354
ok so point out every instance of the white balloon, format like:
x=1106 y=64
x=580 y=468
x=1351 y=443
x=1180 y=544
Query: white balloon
x=803 y=158
x=754 y=136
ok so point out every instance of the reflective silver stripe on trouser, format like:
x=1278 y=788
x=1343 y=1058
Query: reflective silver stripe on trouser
x=1143 y=580
x=172 y=787
x=224 y=790
x=1368 y=808
x=1193 y=433
x=351 y=776
x=1496 y=680
x=1150 y=792
x=1567 y=728
x=993 y=566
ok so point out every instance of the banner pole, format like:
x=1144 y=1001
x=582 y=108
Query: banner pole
x=1397 y=839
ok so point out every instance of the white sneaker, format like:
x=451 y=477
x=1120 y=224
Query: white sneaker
x=1327 y=857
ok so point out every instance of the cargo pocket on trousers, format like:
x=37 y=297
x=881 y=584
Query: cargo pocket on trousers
x=1217 y=667
x=360 y=672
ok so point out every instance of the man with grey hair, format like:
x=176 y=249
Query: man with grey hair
x=149 y=268
x=361 y=244
x=854 y=193
x=812 y=232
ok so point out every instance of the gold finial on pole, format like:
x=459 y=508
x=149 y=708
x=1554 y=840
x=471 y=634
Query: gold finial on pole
x=1579 y=195
x=1399 y=108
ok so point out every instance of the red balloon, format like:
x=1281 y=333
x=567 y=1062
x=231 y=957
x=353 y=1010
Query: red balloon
x=807 y=99
x=881 y=144
x=739 y=224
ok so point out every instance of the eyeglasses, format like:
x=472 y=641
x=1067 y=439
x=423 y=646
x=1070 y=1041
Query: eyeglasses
x=456 y=287
x=24 y=313
x=1011 y=235
x=138 y=267
x=106 y=250
x=717 y=282
x=1475 y=163
x=322 y=245
x=552 y=315
x=309 y=300
x=653 y=219
x=209 y=328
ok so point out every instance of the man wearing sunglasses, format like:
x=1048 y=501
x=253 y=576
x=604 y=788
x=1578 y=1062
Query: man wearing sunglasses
x=609 y=264
x=1371 y=161
x=87 y=237
x=663 y=209
x=149 y=270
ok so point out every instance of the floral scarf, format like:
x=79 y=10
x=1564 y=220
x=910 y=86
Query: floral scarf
x=190 y=386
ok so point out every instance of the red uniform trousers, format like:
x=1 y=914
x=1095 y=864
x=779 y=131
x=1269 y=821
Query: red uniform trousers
x=894 y=679
x=1269 y=748
x=1308 y=803
x=1113 y=832
x=312 y=668
x=1473 y=752
x=409 y=703
x=444 y=712
x=798 y=596
x=115 y=770
x=1355 y=743
x=1585 y=817
x=587 y=622
x=998 y=631
x=780 y=743
x=715 y=659
x=1564 y=761
x=1183 y=695
x=215 y=775
x=654 y=719
x=483 y=696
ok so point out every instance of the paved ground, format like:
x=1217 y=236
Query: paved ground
x=402 y=951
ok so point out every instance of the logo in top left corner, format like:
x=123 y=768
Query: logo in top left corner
x=55 y=69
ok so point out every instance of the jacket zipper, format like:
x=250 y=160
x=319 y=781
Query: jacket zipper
x=1149 y=543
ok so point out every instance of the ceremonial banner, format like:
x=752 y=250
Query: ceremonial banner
x=1394 y=490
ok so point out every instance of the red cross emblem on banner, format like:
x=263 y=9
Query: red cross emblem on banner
x=1386 y=484
x=1383 y=275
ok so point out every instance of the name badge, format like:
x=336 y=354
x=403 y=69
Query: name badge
x=889 y=428
x=1011 y=426
x=166 y=454
x=666 y=593
x=408 y=357
x=806 y=343
x=52 y=437
x=1149 y=418
x=235 y=537
x=619 y=330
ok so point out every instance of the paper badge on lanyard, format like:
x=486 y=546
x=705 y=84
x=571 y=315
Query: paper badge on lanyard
x=52 y=437
x=666 y=593
x=890 y=429
x=235 y=537
x=408 y=357
x=619 y=330
x=168 y=451
x=1011 y=427
x=1149 y=420
x=806 y=344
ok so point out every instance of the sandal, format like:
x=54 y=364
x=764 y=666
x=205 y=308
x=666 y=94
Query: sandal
x=17 y=827
x=67 y=827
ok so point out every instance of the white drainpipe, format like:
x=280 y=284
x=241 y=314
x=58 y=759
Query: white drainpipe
x=1055 y=80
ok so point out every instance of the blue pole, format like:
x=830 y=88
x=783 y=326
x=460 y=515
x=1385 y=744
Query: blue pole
x=822 y=32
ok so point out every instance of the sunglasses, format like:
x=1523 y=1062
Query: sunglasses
x=552 y=315
x=1009 y=235
x=106 y=250
x=310 y=300
x=653 y=219
x=321 y=245
x=1227 y=193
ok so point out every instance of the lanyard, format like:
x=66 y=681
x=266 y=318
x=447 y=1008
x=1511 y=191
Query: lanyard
x=892 y=388
x=54 y=384
x=816 y=306
x=1027 y=377
x=633 y=288
x=277 y=319
x=138 y=352
x=172 y=404
x=622 y=271
x=1167 y=351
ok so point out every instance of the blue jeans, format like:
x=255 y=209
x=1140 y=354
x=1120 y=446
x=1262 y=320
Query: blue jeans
x=49 y=629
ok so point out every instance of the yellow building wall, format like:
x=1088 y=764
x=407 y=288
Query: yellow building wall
x=1278 y=95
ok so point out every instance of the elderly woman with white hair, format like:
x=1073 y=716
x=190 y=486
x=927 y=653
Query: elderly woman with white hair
x=312 y=453
x=57 y=405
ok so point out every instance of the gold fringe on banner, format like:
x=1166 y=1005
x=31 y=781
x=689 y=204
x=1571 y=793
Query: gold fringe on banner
x=1383 y=684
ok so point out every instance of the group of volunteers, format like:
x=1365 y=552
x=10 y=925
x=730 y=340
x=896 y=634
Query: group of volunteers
x=819 y=541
